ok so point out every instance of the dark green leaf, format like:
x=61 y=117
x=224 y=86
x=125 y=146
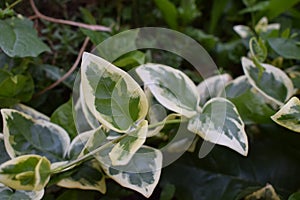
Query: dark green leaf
x=288 y=48
x=169 y=12
x=18 y=38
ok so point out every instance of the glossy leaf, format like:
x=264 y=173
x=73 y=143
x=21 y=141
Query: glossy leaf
x=212 y=87
x=273 y=83
x=14 y=88
x=140 y=174
x=287 y=48
x=220 y=123
x=289 y=115
x=30 y=111
x=113 y=97
x=7 y=193
x=171 y=87
x=25 y=135
x=20 y=38
x=87 y=176
x=123 y=151
x=28 y=172
x=251 y=105
x=63 y=116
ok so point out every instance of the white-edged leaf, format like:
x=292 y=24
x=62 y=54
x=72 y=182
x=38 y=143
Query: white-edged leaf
x=273 y=83
x=243 y=31
x=25 y=135
x=30 y=111
x=212 y=87
x=87 y=176
x=7 y=193
x=3 y=154
x=220 y=123
x=123 y=151
x=154 y=131
x=141 y=174
x=113 y=96
x=289 y=115
x=28 y=172
x=172 y=88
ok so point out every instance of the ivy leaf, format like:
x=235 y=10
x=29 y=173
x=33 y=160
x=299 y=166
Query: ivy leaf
x=15 y=88
x=289 y=115
x=172 y=88
x=212 y=87
x=7 y=193
x=19 y=39
x=63 y=116
x=87 y=176
x=123 y=151
x=113 y=97
x=28 y=172
x=272 y=82
x=25 y=135
x=220 y=123
x=140 y=174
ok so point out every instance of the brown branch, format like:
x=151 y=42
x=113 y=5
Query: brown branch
x=71 y=23
x=66 y=75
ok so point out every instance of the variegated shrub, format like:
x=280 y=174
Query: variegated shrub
x=116 y=119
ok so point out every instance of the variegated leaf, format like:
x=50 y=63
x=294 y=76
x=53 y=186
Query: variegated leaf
x=154 y=131
x=172 y=88
x=220 y=123
x=289 y=115
x=30 y=111
x=123 y=151
x=25 y=135
x=141 y=174
x=3 y=154
x=87 y=176
x=272 y=82
x=252 y=106
x=113 y=97
x=7 y=193
x=28 y=172
x=212 y=87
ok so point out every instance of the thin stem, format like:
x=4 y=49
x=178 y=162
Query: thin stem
x=71 y=70
x=13 y=4
x=67 y=22
x=172 y=121
x=86 y=157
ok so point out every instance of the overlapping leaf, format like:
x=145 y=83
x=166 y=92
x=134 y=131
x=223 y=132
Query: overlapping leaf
x=220 y=123
x=171 y=87
x=111 y=94
x=7 y=193
x=25 y=135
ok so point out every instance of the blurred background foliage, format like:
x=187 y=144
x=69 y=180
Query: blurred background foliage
x=274 y=156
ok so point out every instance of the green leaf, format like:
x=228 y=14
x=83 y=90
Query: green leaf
x=95 y=36
x=257 y=7
x=276 y=7
x=63 y=116
x=168 y=192
x=131 y=59
x=285 y=47
x=15 y=88
x=3 y=154
x=20 y=38
x=125 y=149
x=169 y=12
x=140 y=174
x=212 y=87
x=273 y=83
x=25 y=135
x=171 y=88
x=188 y=11
x=113 y=97
x=87 y=176
x=55 y=73
x=7 y=193
x=28 y=172
x=258 y=49
x=220 y=123
x=289 y=115
x=251 y=105
x=294 y=196
x=294 y=74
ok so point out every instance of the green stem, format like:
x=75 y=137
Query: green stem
x=13 y=4
x=172 y=121
x=86 y=157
